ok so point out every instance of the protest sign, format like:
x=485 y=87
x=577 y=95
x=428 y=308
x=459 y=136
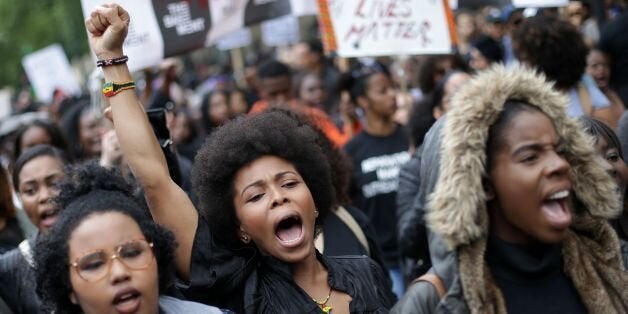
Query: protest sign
x=166 y=28
x=5 y=103
x=228 y=16
x=539 y=3
x=304 y=7
x=48 y=69
x=240 y=38
x=280 y=31
x=391 y=27
x=144 y=44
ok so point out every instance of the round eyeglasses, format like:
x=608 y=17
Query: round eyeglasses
x=136 y=255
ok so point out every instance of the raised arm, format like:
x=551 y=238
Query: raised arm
x=107 y=28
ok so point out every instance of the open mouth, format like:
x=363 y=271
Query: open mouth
x=49 y=216
x=289 y=231
x=556 y=209
x=127 y=301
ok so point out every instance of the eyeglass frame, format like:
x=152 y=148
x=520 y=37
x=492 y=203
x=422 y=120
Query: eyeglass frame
x=111 y=257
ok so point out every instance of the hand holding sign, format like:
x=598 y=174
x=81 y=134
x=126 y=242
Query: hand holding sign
x=107 y=28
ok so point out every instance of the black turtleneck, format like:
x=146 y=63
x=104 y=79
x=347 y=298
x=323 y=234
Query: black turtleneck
x=531 y=278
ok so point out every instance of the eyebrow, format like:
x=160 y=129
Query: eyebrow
x=532 y=146
x=260 y=182
x=46 y=178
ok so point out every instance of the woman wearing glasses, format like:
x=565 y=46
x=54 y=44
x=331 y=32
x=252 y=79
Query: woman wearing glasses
x=105 y=254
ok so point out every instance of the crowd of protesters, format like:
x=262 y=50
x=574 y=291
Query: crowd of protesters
x=489 y=180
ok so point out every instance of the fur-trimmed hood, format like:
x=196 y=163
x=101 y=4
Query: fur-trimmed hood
x=457 y=209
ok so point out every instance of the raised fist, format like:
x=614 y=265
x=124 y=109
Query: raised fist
x=107 y=27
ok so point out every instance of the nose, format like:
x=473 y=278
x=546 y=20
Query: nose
x=118 y=272
x=278 y=197
x=46 y=194
x=557 y=165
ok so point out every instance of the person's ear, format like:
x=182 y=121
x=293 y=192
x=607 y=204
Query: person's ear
x=363 y=102
x=73 y=298
x=437 y=112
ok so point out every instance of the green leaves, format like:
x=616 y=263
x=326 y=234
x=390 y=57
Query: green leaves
x=29 y=25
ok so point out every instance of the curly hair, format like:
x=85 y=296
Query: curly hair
x=555 y=47
x=239 y=143
x=90 y=190
x=339 y=163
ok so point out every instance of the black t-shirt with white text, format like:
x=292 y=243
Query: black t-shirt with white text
x=377 y=161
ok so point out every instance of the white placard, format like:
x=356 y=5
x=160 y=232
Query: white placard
x=304 y=7
x=390 y=27
x=144 y=44
x=5 y=103
x=453 y=4
x=49 y=69
x=240 y=38
x=539 y=3
x=281 y=31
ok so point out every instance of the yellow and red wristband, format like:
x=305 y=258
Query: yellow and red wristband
x=113 y=88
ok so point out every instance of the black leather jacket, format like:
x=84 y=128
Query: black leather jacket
x=17 y=279
x=244 y=281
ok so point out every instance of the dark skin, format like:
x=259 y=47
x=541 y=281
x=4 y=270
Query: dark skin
x=528 y=169
x=379 y=104
x=276 y=90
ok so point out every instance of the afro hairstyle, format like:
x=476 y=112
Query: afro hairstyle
x=90 y=190
x=339 y=163
x=554 y=46
x=239 y=143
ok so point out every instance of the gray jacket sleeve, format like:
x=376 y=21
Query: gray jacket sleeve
x=622 y=133
x=420 y=298
x=407 y=219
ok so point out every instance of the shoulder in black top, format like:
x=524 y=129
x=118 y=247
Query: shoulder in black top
x=246 y=282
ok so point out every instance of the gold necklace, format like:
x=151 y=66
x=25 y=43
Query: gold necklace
x=323 y=303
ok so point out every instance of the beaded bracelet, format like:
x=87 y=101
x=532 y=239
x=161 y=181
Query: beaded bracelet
x=114 y=61
x=113 y=88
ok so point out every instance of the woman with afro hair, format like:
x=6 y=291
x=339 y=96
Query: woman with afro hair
x=105 y=253
x=264 y=186
x=557 y=49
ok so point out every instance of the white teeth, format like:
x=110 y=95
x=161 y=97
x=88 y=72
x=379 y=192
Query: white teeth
x=559 y=195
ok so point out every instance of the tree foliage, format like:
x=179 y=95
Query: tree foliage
x=29 y=25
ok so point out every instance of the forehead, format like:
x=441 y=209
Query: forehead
x=102 y=231
x=311 y=79
x=596 y=56
x=40 y=167
x=260 y=169
x=455 y=81
x=528 y=127
x=275 y=83
x=34 y=131
x=378 y=79
x=218 y=96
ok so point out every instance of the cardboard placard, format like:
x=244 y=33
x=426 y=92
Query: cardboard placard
x=391 y=27
x=539 y=3
x=49 y=69
x=281 y=31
